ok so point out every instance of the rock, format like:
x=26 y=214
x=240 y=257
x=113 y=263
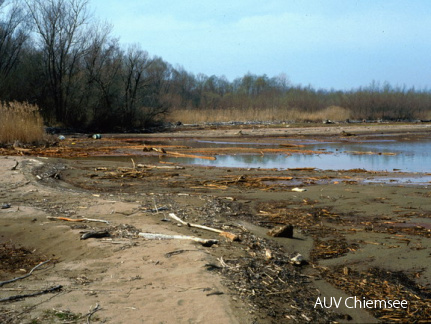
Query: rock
x=284 y=231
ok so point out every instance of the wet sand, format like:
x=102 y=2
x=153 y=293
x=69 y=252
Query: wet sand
x=357 y=239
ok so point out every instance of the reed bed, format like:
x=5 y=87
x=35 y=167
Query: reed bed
x=199 y=116
x=20 y=122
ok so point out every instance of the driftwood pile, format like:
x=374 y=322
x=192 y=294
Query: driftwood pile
x=378 y=284
x=374 y=283
x=274 y=286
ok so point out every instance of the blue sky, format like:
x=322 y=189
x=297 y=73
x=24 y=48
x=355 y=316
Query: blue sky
x=339 y=44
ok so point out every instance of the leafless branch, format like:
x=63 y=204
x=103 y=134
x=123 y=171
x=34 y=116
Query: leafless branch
x=2 y=283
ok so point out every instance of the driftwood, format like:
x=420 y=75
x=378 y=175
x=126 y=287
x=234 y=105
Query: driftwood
x=16 y=147
x=231 y=236
x=212 y=158
x=284 y=231
x=2 y=283
x=165 y=167
x=78 y=219
x=152 y=236
x=46 y=291
x=301 y=169
x=95 y=234
x=163 y=151
x=157 y=149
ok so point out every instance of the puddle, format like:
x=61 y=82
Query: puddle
x=413 y=180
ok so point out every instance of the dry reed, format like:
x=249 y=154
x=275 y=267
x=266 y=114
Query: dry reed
x=20 y=122
x=198 y=116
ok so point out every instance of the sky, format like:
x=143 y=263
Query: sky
x=327 y=44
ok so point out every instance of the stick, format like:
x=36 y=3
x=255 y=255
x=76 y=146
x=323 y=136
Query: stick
x=96 y=220
x=46 y=291
x=14 y=167
x=25 y=276
x=147 y=166
x=95 y=309
x=204 y=242
x=231 y=236
x=78 y=219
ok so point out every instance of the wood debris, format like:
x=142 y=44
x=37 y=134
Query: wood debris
x=78 y=219
x=95 y=234
x=379 y=284
x=231 y=236
x=204 y=242
x=2 y=283
x=46 y=291
x=283 y=231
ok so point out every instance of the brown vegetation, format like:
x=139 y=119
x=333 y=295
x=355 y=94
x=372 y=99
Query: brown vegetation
x=20 y=122
x=195 y=116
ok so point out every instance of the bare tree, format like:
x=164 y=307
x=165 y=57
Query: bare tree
x=13 y=35
x=61 y=26
x=103 y=67
x=136 y=62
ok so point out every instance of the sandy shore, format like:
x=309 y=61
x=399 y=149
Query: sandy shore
x=133 y=281
x=367 y=240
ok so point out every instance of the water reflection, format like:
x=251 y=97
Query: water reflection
x=340 y=161
x=412 y=156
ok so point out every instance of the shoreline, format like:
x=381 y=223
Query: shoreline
x=347 y=232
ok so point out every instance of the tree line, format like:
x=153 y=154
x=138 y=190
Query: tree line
x=55 y=54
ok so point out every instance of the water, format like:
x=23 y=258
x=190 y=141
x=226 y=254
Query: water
x=410 y=156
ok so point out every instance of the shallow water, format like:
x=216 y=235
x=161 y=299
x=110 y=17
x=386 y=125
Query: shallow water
x=378 y=154
x=410 y=156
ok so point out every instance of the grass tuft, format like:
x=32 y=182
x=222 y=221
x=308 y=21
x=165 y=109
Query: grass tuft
x=20 y=122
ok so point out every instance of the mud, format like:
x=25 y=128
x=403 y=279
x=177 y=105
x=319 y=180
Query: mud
x=357 y=238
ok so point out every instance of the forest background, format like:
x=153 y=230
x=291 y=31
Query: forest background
x=56 y=56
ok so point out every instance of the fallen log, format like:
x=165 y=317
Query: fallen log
x=231 y=236
x=152 y=236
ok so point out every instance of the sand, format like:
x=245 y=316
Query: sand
x=132 y=280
